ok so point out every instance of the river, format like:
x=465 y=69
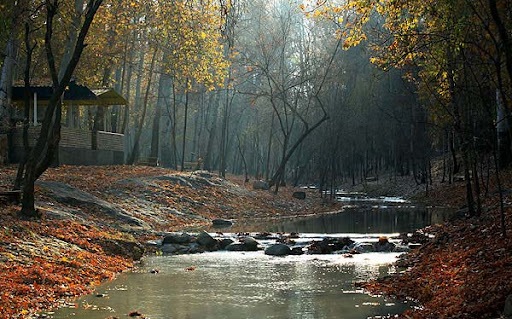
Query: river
x=252 y=285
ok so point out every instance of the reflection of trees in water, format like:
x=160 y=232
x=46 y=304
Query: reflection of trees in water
x=352 y=220
x=368 y=220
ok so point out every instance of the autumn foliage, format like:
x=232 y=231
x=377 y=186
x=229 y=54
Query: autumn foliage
x=44 y=262
x=465 y=271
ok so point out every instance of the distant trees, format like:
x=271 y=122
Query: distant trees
x=457 y=54
x=284 y=90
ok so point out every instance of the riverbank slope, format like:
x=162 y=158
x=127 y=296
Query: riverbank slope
x=465 y=270
x=95 y=219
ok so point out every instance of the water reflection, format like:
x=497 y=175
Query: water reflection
x=249 y=285
x=381 y=219
x=236 y=285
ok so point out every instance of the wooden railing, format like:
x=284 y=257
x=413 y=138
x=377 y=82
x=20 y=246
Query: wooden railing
x=75 y=138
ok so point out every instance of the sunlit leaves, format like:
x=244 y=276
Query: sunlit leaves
x=191 y=38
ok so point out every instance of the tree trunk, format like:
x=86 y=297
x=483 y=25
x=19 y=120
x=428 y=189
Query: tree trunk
x=185 y=121
x=135 y=151
x=6 y=79
x=280 y=171
x=26 y=109
x=504 y=36
x=47 y=143
x=208 y=157
x=164 y=85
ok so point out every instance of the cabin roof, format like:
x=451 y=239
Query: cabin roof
x=75 y=94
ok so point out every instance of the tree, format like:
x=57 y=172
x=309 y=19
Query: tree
x=454 y=55
x=42 y=154
x=12 y=14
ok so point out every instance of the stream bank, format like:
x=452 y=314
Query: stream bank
x=463 y=273
x=465 y=270
x=94 y=219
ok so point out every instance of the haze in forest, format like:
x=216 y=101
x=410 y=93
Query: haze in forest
x=298 y=92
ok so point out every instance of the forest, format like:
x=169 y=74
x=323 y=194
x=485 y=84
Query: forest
x=300 y=92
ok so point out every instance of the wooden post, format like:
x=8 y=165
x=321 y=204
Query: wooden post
x=35 y=109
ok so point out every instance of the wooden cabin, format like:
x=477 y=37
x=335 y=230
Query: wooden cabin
x=79 y=144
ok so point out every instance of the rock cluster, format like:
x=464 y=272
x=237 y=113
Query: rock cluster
x=282 y=245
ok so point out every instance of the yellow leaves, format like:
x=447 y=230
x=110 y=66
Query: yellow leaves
x=64 y=259
x=192 y=32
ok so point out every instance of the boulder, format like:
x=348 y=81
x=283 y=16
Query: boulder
x=320 y=247
x=383 y=245
x=222 y=222
x=360 y=248
x=69 y=195
x=204 y=239
x=190 y=248
x=507 y=311
x=250 y=243
x=235 y=247
x=121 y=247
x=224 y=242
x=278 y=250
x=299 y=195
x=246 y=244
x=296 y=250
x=169 y=248
x=329 y=245
x=194 y=248
x=262 y=185
x=176 y=238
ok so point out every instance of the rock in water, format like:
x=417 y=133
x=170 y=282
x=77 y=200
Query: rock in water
x=222 y=223
x=177 y=238
x=250 y=243
x=383 y=245
x=204 y=239
x=224 y=242
x=277 y=250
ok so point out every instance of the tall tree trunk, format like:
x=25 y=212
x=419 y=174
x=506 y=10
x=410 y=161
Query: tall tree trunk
x=280 y=171
x=26 y=108
x=459 y=129
x=269 y=147
x=6 y=79
x=184 y=141
x=174 y=143
x=504 y=35
x=135 y=151
x=208 y=156
x=164 y=85
x=47 y=143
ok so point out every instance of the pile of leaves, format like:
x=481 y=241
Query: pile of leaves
x=465 y=271
x=42 y=263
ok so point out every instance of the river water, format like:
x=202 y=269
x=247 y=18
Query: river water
x=238 y=285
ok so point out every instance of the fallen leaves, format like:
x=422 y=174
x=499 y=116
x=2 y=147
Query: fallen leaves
x=464 y=272
x=44 y=263
x=47 y=261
